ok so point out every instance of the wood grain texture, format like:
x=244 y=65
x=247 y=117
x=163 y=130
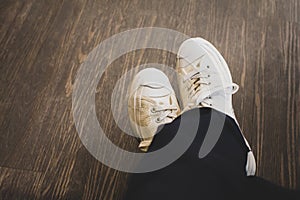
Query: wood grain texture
x=44 y=42
x=14 y=183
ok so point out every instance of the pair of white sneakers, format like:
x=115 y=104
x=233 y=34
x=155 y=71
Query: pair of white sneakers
x=204 y=80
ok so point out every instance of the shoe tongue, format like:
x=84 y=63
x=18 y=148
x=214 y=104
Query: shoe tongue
x=154 y=90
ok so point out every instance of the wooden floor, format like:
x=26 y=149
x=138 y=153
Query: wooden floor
x=44 y=42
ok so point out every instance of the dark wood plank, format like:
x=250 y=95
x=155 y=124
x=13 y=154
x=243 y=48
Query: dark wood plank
x=18 y=184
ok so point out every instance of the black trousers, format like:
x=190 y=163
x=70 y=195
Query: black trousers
x=219 y=175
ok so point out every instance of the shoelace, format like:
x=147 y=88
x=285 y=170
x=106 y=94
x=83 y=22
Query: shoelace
x=198 y=80
x=169 y=111
x=166 y=111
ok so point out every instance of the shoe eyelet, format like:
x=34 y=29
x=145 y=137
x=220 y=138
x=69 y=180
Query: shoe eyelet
x=157 y=120
x=208 y=76
x=209 y=97
x=210 y=104
x=198 y=65
x=209 y=83
x=207 y=66
x=153 y=110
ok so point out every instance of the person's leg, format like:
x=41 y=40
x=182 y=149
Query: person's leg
x=220 y=175
x=204 y=82
x=190 y=177
x=217 y=176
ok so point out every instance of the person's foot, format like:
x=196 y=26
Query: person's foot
x=205 y=81
x=152 y=102
x=204 y=78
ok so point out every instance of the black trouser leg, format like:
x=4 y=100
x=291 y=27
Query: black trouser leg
x=220 y=175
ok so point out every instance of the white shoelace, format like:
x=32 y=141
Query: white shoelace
x=198 y=81
x=165 y=110
x=169 y=111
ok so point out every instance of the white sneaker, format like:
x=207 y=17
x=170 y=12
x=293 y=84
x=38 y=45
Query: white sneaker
x=152 y=102
x=204 y=80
